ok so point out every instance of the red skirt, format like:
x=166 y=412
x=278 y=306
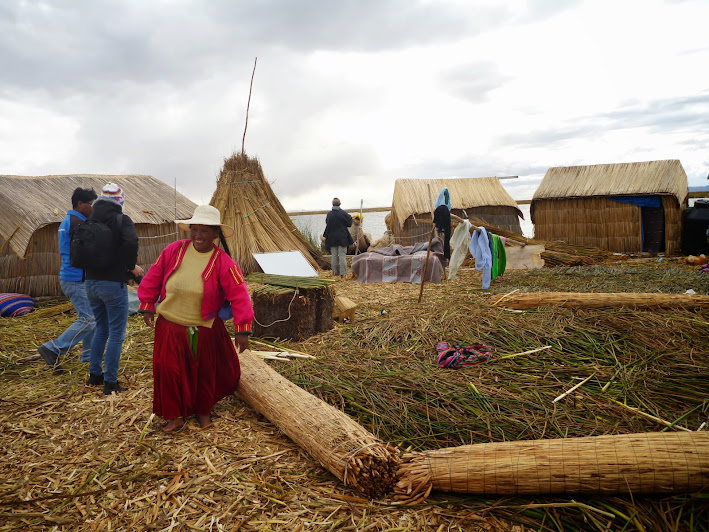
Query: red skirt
x=185 y=384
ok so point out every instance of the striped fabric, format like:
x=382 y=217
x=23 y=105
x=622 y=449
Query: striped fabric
x=12 y=305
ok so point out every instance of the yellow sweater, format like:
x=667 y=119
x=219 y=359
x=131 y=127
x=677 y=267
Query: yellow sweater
x=184 y=291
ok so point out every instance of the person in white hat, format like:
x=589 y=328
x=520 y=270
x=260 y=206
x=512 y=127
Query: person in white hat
x=195 y=362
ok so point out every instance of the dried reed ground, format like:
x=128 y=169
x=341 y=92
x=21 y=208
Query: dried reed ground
x=74 y=460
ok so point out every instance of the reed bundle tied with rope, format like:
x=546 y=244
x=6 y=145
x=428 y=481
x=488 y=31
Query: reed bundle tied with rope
x=523 y=301
x=341 y=445
x=290 y=281
x=625 y=463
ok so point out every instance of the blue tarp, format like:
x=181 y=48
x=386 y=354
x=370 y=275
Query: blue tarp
x=640 y=201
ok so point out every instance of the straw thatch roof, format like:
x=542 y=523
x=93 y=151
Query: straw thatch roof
x=645 y=178
x=416 y=196
x=29 y=203
x=261 y=224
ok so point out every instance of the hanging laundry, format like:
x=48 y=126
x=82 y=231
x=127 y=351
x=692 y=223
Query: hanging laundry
x=442 y=221
x=480 y=250
x=444 y=198
x=459 y=242
x=499 y=256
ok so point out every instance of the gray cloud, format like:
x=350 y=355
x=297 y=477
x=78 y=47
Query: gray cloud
x=472 y=81
x=658 y=115
x=161 y=88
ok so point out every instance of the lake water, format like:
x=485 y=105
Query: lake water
x=314 y=224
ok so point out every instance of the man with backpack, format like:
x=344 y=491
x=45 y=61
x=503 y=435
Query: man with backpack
x=71 y=280
x=108 y=269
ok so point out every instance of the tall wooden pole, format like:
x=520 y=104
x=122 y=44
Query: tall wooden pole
x=430 y=239
x=425 y=266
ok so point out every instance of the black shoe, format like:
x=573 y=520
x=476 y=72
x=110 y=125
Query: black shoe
x=110 y=387
x=51 y=358
x=94 y=380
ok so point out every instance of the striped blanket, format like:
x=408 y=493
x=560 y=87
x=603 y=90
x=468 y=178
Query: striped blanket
x=400 y=264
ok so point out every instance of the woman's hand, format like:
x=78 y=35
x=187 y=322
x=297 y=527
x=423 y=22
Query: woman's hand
x=149 y=319
x=241 y=341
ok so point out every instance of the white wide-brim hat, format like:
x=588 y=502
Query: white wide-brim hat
x=205 y=215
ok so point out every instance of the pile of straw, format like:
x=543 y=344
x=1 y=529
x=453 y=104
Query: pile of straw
x=624 y=463
x=342 y=446
x=74 y=459
x=596 y=300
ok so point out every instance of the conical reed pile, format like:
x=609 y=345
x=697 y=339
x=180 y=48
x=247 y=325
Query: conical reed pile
x=340 y=444
x=261 y=225
x=523 y=301
x=626 y=463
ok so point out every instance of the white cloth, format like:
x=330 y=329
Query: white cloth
x=460 y=239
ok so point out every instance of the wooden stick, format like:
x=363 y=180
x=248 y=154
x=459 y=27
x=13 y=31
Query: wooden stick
x=430 y=239
x=248 y=104
x=425 y=265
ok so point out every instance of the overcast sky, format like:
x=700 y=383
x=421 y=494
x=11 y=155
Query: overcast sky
x=349 y=95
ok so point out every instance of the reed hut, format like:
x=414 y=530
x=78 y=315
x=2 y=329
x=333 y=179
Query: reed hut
x=482 y=197
x=624 y=207
x=261 y=225
x=33 y=208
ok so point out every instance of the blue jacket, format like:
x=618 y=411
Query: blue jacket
x=480 y=250
x=67 y=272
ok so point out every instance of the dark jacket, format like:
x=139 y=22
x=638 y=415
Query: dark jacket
x=336 y=233
x=125 y=243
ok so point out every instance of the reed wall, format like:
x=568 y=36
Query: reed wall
x=37 y=274
x=602 y=223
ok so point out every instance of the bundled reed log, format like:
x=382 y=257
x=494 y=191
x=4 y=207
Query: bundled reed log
x=289 y=281
x=341 y=445
x=523 y=301
x=556 y=258
x=625 y=463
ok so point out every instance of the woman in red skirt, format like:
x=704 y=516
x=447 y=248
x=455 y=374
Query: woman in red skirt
x=195 y=363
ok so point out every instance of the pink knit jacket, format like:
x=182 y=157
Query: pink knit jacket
x=223 y=281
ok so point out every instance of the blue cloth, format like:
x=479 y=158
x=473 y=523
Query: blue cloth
x=82 y=330
x=67 y=272
x=444 y=198
x=640 y=201
x=480 y=250
x=109 y=302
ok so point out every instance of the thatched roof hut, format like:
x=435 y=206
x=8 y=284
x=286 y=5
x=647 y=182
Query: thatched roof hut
x=624 y=207
x=482 y=197
x=33 y=207
x=261 y=224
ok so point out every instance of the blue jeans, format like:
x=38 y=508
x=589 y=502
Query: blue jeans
x=109 y=301
x=82 y=330
x=339 y=260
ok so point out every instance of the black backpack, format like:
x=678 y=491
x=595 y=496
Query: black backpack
x=93 y=245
